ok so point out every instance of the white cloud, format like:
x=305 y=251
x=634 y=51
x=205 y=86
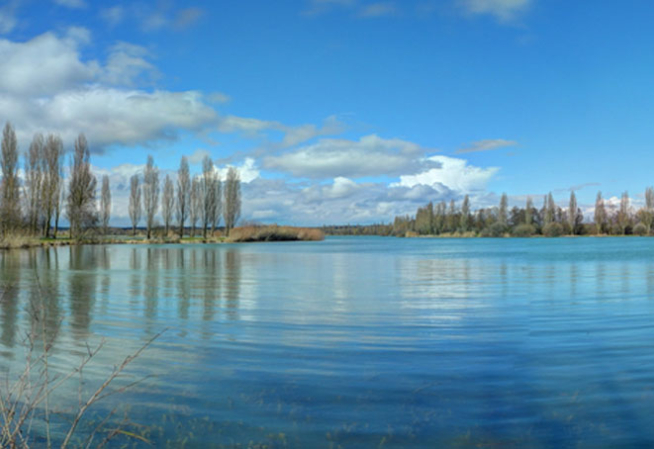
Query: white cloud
x=126 y=64
x=502 y=10
x=45 y=64
x=487 y=145
x=247 y=171
x=110 y=116
x=453 y=173
x=331 y=158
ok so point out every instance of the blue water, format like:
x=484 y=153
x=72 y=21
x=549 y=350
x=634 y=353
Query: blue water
x=356 y=342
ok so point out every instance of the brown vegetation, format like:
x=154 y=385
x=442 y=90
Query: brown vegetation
x=274 y=233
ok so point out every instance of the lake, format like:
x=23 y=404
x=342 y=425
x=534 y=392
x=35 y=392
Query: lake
x=354 y=342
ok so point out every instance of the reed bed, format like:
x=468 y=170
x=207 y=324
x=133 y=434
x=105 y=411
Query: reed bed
x=274 y=233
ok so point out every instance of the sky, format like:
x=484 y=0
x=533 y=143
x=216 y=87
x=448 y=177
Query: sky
x=344 y=111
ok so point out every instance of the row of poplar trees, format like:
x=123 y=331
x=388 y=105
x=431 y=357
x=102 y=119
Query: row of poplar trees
x=549 y=220
x=34 y=205
x=198 y=202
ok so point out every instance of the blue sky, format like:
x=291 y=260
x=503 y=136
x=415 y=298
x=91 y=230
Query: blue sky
x=344 y=111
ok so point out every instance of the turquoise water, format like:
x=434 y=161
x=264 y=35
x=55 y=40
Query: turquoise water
x=354 y=342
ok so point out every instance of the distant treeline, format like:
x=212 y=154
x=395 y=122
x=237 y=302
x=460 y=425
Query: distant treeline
x=33 y=205
x=374 y=229
x=549 y=220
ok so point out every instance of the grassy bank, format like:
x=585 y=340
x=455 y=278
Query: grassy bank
x=243 y=234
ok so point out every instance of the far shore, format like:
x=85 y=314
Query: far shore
x=244 y=234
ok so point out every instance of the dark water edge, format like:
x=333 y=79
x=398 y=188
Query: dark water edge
x=357 y=342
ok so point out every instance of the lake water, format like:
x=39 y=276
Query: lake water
x=354 y=342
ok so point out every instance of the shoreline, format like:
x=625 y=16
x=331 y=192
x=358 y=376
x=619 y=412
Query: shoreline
x=246 y=234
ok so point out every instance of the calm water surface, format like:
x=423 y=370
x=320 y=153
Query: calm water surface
x=355 y=342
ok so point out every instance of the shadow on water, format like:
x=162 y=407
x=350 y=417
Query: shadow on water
x=10 y=276
x=232 y=279
x=82 y=282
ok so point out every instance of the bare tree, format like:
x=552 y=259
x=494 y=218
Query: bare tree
x=623 y=213
x=10 y=200
x=646 y=214
x=232 y=210
x=502 y=216
x=183 y=194
x=465 y=214
x=167 y=203
x=196 y=203
x=528 y=211
x=34 y=181
x=60 y=199
x=600 y=213
x=150 y=193
x=572 y=212
x=134 y=202
x=81 y=190
x=105 y=204
x=208 y=192
x=52 y=184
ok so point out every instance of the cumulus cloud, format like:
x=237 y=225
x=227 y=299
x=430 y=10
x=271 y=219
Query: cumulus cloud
x=502 y=10
x=48 y=87
x=329 y=158
x=453 y=173
x=247 y=170
x=110 y=116
x=487 y=145
x=45 y=64
x=340 y=201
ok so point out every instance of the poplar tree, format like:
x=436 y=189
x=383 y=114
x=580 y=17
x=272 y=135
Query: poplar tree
x=135 y=209
x=105 y=204
x=600 y=213
x=528 y=211
x=150 y=194
x=52 y=188
x=208 y=192
x=232 y=210
x=183 y=194
x=572 y=212
x=34 y=182
x=465 y=214
x=502 y=215
x=81 y=190
x=196 y=203
x=647 y=213
x=623 y=213
x=167 y=203
x=10 y=199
